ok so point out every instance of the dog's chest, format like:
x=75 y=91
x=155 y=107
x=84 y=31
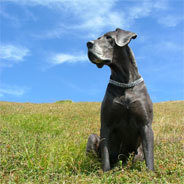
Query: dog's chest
x=124 y=102
x=125 y=105
x=128 y=106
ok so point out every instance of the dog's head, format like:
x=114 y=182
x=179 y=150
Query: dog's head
x=100 y=51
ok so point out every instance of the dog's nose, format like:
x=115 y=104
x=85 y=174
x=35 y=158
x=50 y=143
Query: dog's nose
x=90 y=44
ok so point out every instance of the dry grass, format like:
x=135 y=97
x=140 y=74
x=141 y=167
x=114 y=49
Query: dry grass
x=45 y=143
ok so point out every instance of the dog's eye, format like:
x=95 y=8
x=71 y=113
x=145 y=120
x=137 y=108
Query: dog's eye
x=108 y=37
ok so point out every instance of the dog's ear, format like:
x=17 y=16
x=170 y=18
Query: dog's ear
x=122 y=37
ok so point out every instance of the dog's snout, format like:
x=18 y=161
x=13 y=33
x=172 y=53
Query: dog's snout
x=90 y=44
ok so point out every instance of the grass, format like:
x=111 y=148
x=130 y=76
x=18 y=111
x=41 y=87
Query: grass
x=45 y=143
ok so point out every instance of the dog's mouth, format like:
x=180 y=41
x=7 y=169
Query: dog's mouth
x=97 y=60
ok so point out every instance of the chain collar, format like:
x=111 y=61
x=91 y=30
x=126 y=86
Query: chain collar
x=129 y=85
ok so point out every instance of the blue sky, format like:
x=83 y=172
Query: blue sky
x=43 y=54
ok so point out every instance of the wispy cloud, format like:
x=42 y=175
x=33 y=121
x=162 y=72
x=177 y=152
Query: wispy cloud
x=12 y=90
x=10 y=55
x=7 y=15
x=161 y=4
x=170 y=20
x=170 y=46
x=160 y=49
x=97 y=15
x=57 y=32
x=63 y=58
x=91 y=90
x=165 y=46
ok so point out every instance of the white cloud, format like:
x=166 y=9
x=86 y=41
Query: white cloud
x=170 y=20
x=8 y=16
x=12 y=90
x=161 y=4
x=169 y=46
x=10 y=55
x=74 y=4
x=63 y=58
x=142 y=10
x=91 y=90
x=54 y=33
x=93 y=16
x=164 y=46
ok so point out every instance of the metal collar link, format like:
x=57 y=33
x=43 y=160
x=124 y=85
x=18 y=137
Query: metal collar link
x=123 y=85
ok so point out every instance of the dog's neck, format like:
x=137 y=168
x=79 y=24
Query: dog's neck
x=123 y=66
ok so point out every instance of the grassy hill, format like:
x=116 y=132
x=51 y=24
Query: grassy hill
x=45 y=143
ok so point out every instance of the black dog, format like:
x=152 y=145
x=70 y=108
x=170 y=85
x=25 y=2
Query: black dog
x=126 y=110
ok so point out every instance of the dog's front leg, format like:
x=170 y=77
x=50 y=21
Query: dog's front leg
x=148 y=145
x=104 y=134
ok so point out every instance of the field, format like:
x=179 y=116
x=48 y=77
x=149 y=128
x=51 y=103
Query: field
x=45 y=143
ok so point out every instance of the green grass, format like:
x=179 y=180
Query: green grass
x=45 y=143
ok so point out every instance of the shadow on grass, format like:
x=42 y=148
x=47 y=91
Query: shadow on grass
x=91 y=164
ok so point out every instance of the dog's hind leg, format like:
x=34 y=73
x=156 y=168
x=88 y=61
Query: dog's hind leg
x=93 y=144
x=139 y=156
